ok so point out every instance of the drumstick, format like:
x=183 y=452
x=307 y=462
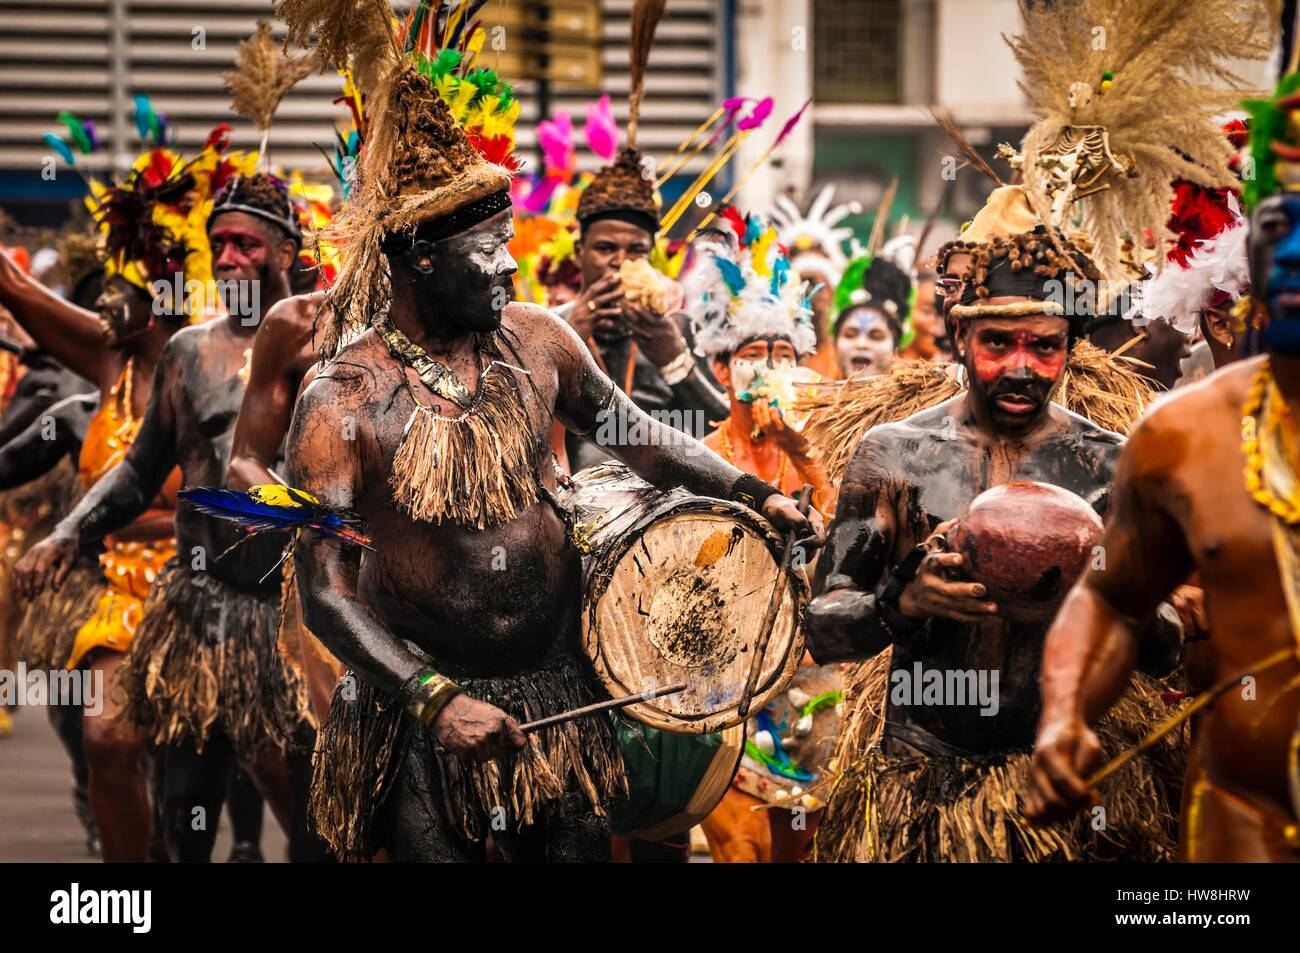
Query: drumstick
x=773 y=606
x=607 y=705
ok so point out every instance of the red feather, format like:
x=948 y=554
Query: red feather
x=736 y=221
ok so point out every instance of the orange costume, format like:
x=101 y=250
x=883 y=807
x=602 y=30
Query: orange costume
x=130 y=567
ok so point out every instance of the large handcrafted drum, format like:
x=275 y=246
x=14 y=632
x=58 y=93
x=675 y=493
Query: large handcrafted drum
x=675 y=590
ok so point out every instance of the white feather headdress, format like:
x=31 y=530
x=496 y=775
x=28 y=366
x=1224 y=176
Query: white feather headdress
x=745 y=290
x=816 y=239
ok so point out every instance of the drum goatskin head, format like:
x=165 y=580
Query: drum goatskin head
x=676 y=589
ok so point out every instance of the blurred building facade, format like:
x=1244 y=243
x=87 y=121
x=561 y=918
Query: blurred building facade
x=871 y=68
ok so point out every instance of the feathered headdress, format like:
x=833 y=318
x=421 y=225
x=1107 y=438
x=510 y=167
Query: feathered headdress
x=748 y=290
x=1273 y=146
x=263 y=74
x=438 y=138
x=1127 y=97
x=1207 y=267
x=879 y=283
x=155 y=222
x=816 y=240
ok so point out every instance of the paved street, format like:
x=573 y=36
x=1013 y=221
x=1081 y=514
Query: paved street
x=36 y=819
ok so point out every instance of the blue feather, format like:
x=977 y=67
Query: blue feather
x=753 y=230
x=780 y=275
x=259 y=517
x=731 y=274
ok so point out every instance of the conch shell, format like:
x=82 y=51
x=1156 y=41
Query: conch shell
x=643 y=285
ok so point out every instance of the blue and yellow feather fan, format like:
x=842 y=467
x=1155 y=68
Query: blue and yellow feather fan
x=273 y=506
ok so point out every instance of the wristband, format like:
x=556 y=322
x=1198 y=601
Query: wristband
x=427 y=693
x=678 y=369
x=752 y=492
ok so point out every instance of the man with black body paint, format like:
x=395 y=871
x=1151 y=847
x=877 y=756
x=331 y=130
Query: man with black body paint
x=189 y=421
x=426 y=601
x=886 y=579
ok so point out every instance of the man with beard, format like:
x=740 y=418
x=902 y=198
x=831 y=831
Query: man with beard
x=434 y=426
x=212 y=616
x=941 y=782
x=1181 y=503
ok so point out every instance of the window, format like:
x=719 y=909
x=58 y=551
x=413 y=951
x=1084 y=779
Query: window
x=856 y=46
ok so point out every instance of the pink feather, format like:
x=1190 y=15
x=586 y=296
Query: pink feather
x=556 y=139
x=757 y=116
x=791 y=123
x=601 y=131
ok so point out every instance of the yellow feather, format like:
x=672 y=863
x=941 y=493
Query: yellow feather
x=759 y=253
x=275 y=494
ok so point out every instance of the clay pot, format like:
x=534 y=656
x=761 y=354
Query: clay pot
x=1028 y=543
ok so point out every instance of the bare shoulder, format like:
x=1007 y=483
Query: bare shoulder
x=532 y=320
x=541 y=335
x=294 y=315
x=189 y=340
x=907 y=435
x=351 y=377
x=1203 y=408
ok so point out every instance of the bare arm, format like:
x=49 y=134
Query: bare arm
x=1093 y=645
x=844 y=620
x=326 y=465
x=267 y=408
x=126 y=491
x=71 y=335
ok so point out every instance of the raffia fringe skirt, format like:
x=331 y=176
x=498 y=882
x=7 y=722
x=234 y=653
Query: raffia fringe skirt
x=207 y=654
x=361 y=746
x=50 y=622
x=885 y=806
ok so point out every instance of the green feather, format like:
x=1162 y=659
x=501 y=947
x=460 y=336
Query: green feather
x=850 y=282
x=77 y=131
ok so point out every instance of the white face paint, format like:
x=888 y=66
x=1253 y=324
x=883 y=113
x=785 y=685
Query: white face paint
x=755 y=366
x=864 y=344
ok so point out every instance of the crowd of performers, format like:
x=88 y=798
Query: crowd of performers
x=315 y=541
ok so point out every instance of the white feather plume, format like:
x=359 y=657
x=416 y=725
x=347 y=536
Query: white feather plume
x=1180 y=294
x=818 y=234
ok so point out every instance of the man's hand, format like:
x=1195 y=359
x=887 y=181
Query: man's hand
x=599 y=304
x=769 y=420
x=1189 y=603
x=783 y=513
x=933 y=591
x=1066 y=752
x=45 y=564
x=471 y=729
x=656 y=334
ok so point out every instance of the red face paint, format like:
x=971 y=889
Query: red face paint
x=1014 y=364
x=995 y=353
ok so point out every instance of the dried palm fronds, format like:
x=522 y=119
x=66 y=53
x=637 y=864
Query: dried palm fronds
x=263 y=74
x=645 y=19
x=843 y=411
x=356 y=34
x=943 y=117
x=1153 y=78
